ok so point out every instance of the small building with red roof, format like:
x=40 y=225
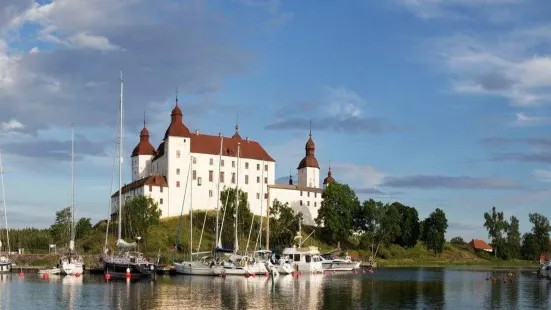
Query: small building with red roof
x=480 y=245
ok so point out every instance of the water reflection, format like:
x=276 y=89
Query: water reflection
x=421 y=288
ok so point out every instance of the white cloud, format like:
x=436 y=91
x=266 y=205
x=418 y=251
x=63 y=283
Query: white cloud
x=11 y=125
x=344 y=102
x=34 y=50
x=542 y=175
x=503 y=65
x=522 y=119
x=430 y=9
x=357 y=176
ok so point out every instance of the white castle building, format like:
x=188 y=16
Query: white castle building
x=187 y=167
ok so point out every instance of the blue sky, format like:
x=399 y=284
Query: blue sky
x=429 y=102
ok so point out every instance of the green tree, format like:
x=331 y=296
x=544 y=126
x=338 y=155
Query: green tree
x=139 y=214
x=530 y=248
x=497 y=227
x=379 y=223
x=61 y=229
x=410 y=230
x=82 y=227
x=337 y=211
x=513 y=238
x=434 y=230
x=228 y=201
x=457 y=241
x=283 y=224
x=541 y=230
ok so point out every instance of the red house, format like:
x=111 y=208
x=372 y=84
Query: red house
x=480 y=245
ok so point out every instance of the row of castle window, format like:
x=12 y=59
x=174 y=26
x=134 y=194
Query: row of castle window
x=222 y=179
x=211 y=162
x=308 y=203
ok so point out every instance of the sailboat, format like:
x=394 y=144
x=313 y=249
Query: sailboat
x=5 y=262
x=126 y=263
x=238 y=264
x=191 y=267
x=72 y=264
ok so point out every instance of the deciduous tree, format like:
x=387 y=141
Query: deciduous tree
x=497 y=227
x=457 y=241
x=541 y=230
x=61 y=229
x=228 y=202
x=139 y=214
x=283 y=224
x=379 y=223
x=337 y=211
x=434 y=230
x=513 y=238
x=408 y=221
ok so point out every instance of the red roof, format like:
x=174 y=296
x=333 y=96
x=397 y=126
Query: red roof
x=478 y=244
x=207 y=144
x=144 y=147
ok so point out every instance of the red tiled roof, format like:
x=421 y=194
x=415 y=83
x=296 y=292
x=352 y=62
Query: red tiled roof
x=207 y=144
x=177 y=127
x=144 y=147
x=478 y=244
x=329 y=179
x=310 y=159
x=153 y=180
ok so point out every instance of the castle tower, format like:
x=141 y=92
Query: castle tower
x=328 y=180
x=142 y=155
x=308 y=168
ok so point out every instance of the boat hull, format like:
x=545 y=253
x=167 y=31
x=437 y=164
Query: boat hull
x=50 y=271
x=340 y=266
x=194 y=269
x=72 y=268
x=5 y=267
x=119 y=270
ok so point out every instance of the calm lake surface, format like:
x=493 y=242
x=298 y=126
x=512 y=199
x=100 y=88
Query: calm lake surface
x=396 y=288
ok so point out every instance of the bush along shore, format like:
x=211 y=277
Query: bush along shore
x=389 y=233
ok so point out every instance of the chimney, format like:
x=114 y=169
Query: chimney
x=247 y=138
x=197 y=132
x=220 y=134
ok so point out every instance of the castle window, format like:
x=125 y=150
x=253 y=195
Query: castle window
x=246 y=179
x=315 y=204
x=211 y=161
x=301 y=202
x=194 y=173
x=301 y=193
x=308 y=194
x=265 y=180
x=221 y=176
x=178 y=154
x=257 y=195
x=210 y=175
x=257 y=179
x=161 y=188
x=210 y=192
x=222 y=163
x=258 y=167
x=308 y=203
x=150 y=188
x=266 y=196
x=161 y=201
x=177 y=183
x=194 y=160
x=265 y=167
x=315 y=195
x=233 y=163
x=246 y=165
x=233 y=177
x=178 y=171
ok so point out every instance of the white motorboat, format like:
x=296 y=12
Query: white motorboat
x=5 y=264
x=240 y=266
x=283 y=265
x=303 y=259
x=331 y=263
x=545 y=270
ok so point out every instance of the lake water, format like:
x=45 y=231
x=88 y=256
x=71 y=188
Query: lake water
x=396 y=288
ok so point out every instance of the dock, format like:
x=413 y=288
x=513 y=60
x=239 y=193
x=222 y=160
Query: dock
x=162 y=270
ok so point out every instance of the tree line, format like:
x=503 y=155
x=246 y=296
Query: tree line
x=370 y=224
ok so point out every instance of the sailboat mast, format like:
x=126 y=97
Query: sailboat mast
x=237 y=198
x=191 y=213
x=120 y=159
x=72 y=242
x=218 y=195
x=4 y=201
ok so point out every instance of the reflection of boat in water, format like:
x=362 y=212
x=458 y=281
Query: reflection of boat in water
x=5 y=263
x=545 y=270
x=72 y=280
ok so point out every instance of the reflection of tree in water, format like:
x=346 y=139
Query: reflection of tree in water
x=535 y=294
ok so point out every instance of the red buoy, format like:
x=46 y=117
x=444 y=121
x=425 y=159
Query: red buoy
x=266 y=274
x=21 y=274
x=77 y=274
x=45 y=276
x=108 y=276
